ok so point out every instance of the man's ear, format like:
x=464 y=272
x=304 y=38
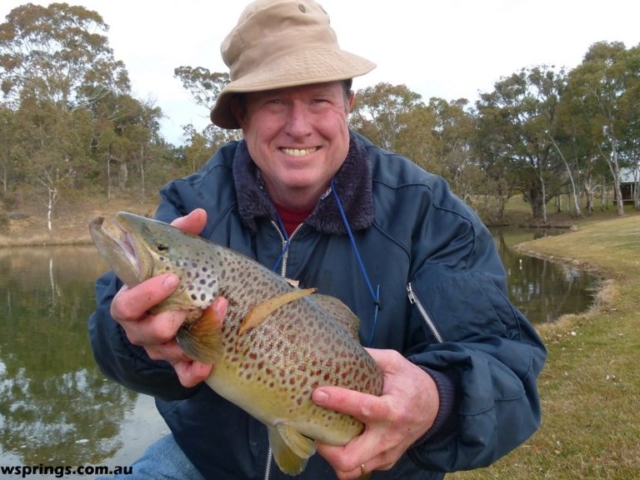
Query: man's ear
x=352 y=98
x=238 y=110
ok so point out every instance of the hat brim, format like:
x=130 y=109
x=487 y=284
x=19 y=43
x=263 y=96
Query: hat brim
x=301 y=68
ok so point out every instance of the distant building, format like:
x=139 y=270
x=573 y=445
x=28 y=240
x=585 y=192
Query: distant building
x=629 y=178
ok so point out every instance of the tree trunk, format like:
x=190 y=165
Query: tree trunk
x=615 y=171
x=108 y=177
x=588 y=192
x=559 y=203
x=142 y=176
x=536 y=203
x=544 y=201
x=124 y=176
x=573 y=183
x=53 y=198
x=604 y=198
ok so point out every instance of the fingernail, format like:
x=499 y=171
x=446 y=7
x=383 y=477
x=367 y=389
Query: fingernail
x=170 y=282
x=320 y=396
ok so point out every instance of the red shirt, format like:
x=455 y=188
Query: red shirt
x=292 y=218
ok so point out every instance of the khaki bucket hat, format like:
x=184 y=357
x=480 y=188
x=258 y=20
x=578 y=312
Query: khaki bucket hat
x=278 y=44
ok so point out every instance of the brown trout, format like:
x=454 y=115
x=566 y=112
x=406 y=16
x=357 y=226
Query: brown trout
x=276 y=345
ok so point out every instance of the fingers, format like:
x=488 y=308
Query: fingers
x=131 y=304
x=362 y=406
x=130 y=309
x=194 y=222
x=393 y=421
x=191 y=373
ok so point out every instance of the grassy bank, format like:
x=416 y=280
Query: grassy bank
x=70 y=222
x=590 y=387
x=25 y=223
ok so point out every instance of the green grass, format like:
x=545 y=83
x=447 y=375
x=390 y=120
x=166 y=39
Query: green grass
x=590 y=387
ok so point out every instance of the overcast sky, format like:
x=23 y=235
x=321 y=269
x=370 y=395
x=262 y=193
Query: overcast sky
x=447 y=48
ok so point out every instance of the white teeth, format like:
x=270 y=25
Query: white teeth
x=296 y=152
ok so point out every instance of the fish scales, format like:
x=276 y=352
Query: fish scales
x=304 y=356
x=276 y=344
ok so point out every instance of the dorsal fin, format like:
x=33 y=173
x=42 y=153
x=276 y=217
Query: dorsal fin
x=340 y=312
x=260 y=312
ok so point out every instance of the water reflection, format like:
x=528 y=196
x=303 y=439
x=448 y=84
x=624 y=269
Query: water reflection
x=543 y=290
x=56 y=407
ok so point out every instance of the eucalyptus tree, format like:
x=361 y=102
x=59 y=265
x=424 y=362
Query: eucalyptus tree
x=396 y=118
x=204 y=87
x=519 y=121
x=8 y=166
x=606 y=86
x=492 y=155
x=55 y=63
x=58 y=53
x=382 y=112
x=452 y=136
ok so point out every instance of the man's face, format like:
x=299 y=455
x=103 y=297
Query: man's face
x=298 y=137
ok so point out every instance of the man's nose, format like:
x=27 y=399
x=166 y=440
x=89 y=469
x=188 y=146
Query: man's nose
x=298 y=121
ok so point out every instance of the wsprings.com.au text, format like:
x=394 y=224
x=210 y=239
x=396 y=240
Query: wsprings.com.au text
x=61 y=471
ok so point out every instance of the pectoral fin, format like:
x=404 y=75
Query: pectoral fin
x=202 y=339
x=291 y=449
x=260 y=312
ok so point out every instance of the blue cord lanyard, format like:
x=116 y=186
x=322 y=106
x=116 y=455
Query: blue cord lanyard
x=375 y=294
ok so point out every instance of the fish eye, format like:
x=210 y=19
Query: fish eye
x=162 y=247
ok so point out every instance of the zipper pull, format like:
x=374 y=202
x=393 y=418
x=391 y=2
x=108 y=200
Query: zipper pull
x=412 y=297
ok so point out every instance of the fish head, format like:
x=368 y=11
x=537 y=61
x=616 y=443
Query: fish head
x=140 y=248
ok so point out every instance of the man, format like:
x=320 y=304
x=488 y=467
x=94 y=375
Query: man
x=326 y=208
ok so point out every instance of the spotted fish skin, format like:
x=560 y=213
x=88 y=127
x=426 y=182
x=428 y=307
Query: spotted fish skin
x=271 y=369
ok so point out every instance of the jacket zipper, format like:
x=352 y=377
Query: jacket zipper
x=283 y=273
x=285 y=257
x=425 y=316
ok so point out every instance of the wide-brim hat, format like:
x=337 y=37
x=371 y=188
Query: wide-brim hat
x=278 y=44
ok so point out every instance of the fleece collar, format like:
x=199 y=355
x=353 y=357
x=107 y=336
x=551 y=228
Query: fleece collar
x=352 y=184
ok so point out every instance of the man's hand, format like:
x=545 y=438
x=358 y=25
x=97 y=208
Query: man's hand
x=406 y=409
x=156 y=333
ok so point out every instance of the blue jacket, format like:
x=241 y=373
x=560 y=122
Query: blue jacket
x=442 y=303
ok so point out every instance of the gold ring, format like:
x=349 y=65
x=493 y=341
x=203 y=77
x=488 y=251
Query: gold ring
x=362 y=470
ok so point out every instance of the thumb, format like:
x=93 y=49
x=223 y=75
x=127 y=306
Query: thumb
x=194 y=222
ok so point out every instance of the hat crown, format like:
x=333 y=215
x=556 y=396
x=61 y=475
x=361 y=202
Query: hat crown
x=269 y=29
x=279 y=44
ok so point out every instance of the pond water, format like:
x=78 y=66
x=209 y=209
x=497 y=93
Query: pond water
x=56 y=407
x=541 y=289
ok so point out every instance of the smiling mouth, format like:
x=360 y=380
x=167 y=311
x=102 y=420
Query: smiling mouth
x=299 y=152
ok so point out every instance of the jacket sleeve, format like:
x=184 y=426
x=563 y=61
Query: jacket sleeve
x=476 y=338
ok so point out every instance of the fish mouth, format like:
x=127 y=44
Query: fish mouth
x=128 y=259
